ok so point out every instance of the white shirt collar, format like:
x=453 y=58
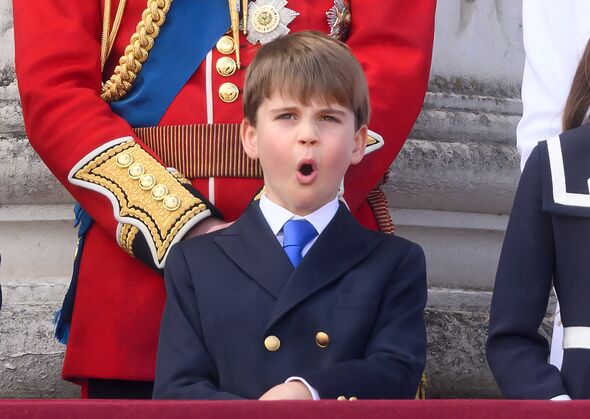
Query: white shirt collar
x=276 y=216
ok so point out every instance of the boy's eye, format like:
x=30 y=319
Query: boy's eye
x=286 y=116
x=329 y=118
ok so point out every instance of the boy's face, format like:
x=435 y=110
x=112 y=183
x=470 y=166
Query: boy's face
x=304 y=151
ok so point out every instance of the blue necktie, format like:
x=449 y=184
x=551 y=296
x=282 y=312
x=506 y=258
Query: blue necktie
x=298 y=233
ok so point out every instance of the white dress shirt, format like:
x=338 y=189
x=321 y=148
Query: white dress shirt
x=276 y=217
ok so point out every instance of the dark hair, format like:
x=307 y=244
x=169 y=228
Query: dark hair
x=578 y=100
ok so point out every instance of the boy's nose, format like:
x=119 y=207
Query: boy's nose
x=308 y=134
x=308 y=140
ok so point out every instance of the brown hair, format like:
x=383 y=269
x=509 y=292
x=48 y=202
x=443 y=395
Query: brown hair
x=305 y=66
x=578 y=100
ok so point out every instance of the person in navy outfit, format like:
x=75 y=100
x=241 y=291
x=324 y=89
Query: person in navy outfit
x=296 y=300
x=547 y=243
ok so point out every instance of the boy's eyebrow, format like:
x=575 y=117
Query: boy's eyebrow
x=284 y=109
x=295 y=108
x=333 y=110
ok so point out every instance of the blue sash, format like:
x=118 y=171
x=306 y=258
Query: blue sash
x=191 y=29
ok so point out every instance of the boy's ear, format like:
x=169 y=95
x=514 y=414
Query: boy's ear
x=249 y=141
x=360 y=143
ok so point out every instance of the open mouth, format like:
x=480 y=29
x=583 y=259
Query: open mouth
x=306 y=172
x=306 y=169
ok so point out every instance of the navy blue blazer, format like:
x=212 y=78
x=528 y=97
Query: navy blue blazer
x=547 y=242
x=230 y=290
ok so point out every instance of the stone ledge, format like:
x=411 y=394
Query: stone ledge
x=36 y=248
x=450 y=176
x=473 y=102
x=41 y=212
x=448 y=219
x=24 y=178
x=470 y=241
x=463 y=126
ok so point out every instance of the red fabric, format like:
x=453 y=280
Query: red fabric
x=119 y=301
x=410 y=409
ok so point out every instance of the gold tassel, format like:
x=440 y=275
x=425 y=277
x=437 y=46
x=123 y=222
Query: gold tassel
x=234 y=14
x=245 y=15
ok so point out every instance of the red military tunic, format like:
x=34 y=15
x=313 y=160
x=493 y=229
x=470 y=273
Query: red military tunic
x=119 y=299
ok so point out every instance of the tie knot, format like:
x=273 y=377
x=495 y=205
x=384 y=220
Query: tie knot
x=298 y=233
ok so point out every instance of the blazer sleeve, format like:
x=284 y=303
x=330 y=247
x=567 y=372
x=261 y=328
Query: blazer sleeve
x=184 y=369
x=395 y=352
x=516 y=352
x=393 y=42
x=93 y=152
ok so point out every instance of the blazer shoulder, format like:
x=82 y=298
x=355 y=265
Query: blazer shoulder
x=197 y=244
x=395 y=240
x=565 y=172
x=399 y=246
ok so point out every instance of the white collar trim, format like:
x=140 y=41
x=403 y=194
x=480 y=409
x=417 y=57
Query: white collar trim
x=560 y=194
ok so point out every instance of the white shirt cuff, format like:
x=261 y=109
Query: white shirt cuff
x=314 y=393
x=561 y=397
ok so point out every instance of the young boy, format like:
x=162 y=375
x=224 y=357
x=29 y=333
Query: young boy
x=296 y=300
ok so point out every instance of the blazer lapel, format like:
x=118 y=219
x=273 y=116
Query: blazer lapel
x=252 y=246
x=342 y=245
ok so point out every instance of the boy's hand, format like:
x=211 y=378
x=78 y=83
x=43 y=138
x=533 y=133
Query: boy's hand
x=293 y=390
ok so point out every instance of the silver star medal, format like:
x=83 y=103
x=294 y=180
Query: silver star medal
x=268 y=20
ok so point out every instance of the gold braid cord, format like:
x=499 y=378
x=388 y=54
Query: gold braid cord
x=146 y=193
x=128 y=233
x=152 y=18
x=421 y=393
x=378 y=203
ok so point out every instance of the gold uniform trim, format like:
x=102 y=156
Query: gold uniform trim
x=136 y=53
x=128 y=233
x=162 y=220
x=201 y=150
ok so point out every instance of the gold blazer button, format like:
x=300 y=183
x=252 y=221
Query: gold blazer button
x=322 y=339
x=226 y=45
x=272 y=343
x=226 y=66
x=228 y=92
x=147 y=182
x=171 y=202
x=124 y=160
x=159 y=192
x=135 y=170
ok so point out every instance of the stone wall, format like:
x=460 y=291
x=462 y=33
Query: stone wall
x=450 y=190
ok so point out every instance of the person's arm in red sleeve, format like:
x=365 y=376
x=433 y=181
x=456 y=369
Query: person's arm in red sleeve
x=93 y=152
x=393 y=42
